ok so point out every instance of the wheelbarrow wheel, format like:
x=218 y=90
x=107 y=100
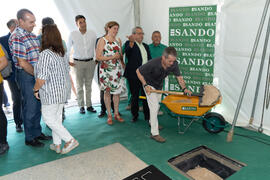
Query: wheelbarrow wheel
x=213 y=122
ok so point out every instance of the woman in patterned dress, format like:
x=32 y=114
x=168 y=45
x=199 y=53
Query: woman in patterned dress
x=111 y=81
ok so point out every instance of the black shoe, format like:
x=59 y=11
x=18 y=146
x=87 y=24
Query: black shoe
x=4 y=148
x=134 y=119
x=43 y=137
x=91 y=109
x=82 y=111
x=102 y=114
x=34 y=143
x=19 y=128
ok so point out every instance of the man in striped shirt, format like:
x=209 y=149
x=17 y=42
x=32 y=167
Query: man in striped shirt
x=24 y=47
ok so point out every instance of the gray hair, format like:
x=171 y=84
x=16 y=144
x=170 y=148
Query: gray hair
x=169 y=51
x=11 y=23
x=135 y=28
x=21 y=13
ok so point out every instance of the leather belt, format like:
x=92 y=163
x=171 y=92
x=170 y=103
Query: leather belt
x=90 y=59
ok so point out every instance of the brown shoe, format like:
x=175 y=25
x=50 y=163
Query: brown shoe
x=158 y=138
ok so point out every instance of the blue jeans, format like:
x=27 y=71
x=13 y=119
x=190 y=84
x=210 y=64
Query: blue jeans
x=31 y=107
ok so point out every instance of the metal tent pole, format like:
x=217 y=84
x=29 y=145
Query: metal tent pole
x=137 y=14
x=260 y=73
x=230 y=134
x=266 y=95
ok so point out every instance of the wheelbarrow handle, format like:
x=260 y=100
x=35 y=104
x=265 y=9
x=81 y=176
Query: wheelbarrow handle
x=166 y=92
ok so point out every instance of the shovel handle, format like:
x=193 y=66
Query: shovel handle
x=166 y=92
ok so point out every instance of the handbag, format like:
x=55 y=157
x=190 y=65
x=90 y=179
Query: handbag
x=6 y=72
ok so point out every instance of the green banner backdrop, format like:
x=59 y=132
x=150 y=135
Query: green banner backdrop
x=192 y=32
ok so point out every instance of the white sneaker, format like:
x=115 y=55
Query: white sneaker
x=70 y=146
x=54 y=147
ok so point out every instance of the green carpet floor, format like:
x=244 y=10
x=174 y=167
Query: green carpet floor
x=93 y=132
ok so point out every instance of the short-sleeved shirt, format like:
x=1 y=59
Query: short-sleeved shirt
x=1 y=55
x=154 y=74
x=25 y=45
x=54 y=69
x=156 y=51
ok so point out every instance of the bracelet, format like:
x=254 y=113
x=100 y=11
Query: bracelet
x=184 y=88
x=145 y=85
x=35 y=91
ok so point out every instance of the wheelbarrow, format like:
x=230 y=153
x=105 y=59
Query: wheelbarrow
x=188 y=109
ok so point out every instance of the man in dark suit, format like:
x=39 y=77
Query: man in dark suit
x=137 y=54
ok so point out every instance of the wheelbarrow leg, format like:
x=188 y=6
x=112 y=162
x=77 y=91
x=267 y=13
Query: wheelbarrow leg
x=182 y=125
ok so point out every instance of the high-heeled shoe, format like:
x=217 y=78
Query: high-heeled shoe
x=109 y=120
x=118 y=118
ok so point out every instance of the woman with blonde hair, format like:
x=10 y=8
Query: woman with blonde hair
x=111 y=81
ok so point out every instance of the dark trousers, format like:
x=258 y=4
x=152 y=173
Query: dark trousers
x=103 y=107
x=3 y=119
x=31 y=107
x=5 y=98
x=136 y=90
x=17 y=101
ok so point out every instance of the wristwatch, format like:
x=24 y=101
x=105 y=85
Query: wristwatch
x=184 y=88
x=145 y=85
x=36 y=91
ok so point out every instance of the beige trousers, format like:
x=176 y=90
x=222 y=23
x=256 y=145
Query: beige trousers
x=153 y=100
x=84 y=72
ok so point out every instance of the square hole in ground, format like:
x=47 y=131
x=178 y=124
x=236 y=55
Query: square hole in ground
x=203 y=163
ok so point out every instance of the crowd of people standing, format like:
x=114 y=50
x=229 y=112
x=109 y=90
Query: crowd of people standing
x=40 y=83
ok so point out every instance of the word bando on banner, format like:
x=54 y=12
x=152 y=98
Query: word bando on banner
x=192 y=32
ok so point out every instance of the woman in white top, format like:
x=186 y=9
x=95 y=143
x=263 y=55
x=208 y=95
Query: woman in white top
x=110 y=73
x=52 y=87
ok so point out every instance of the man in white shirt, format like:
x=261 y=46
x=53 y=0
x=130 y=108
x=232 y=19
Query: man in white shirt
x=83 y=43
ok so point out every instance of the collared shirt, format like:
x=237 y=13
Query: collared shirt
x=143 y=52
x=25 y=45
x=83 y=44
x=1 y=55
x=156 y=51
x=154 y=74
x=54 y=69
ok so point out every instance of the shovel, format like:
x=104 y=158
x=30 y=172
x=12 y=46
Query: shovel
x=209 y=94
